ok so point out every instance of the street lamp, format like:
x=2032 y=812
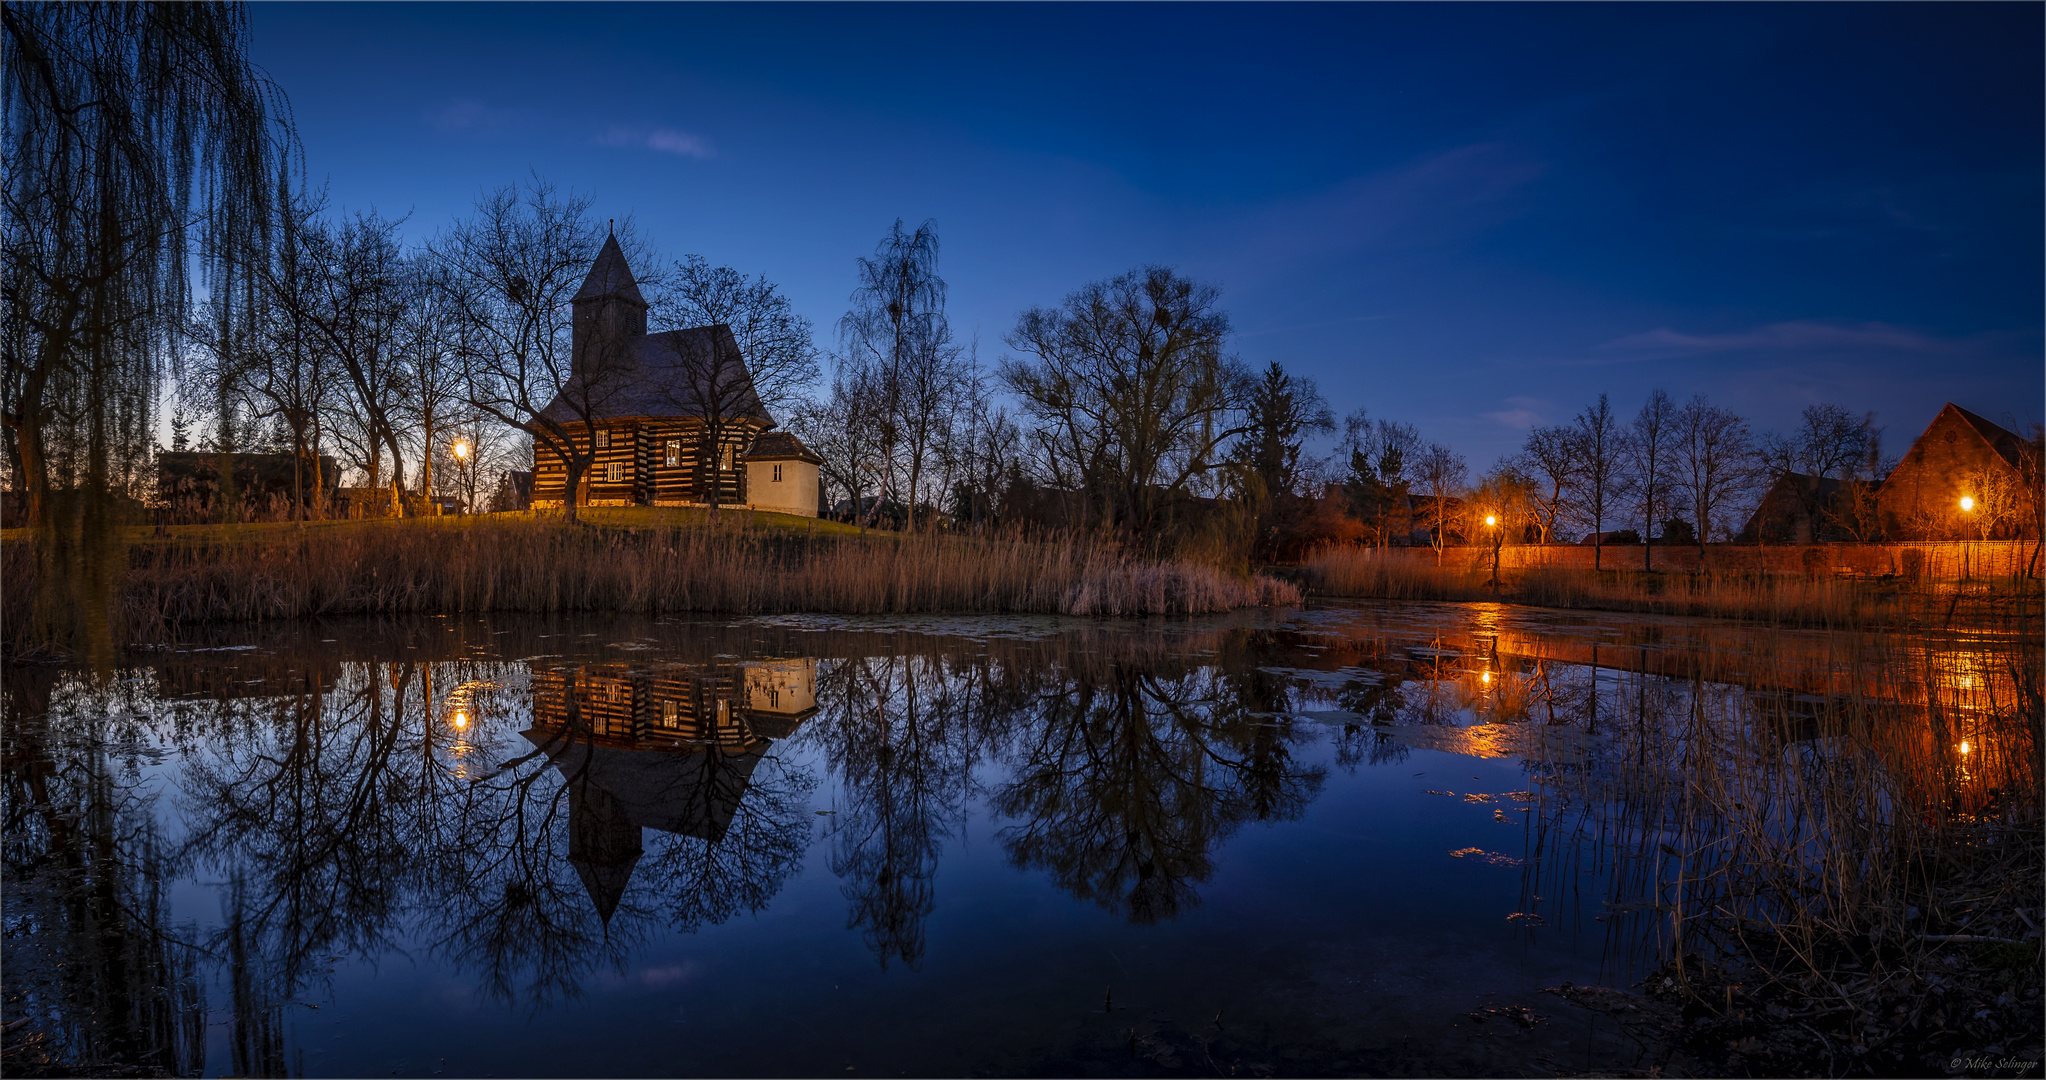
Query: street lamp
x=462 y=462
x=1968 y=503
x=1498 y=537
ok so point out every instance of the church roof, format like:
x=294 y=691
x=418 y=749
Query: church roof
x=780 y=446
x=609 y=276
x=655 y=379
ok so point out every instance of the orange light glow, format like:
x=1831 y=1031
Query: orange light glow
x=1486 y=677
x=1968 y=503
x=1491 y=519
x=1965 y=748
x=461 y=720
x=462 y=451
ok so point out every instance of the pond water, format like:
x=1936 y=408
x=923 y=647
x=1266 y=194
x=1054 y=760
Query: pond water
x=1279 y=843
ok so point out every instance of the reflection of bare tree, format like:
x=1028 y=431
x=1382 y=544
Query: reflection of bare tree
x=91 y=961
x=902 y=737
x=1129 y=778
x=403 y=792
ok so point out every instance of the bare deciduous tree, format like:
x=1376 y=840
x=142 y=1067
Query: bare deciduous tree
x=1441 y=473
x=1715 y=464
x=1597 y=440
x=1382 y=455
x=1551 y=459
x=1829 y=443
x=707 y=379
x=511 y=271
x=1645 y=448
x=1131 y=392
x=898 y=342
x=777 y=343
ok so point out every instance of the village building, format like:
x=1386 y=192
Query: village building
x=514 y=492
x=1802 y=509
x=265 y=485
x=1962 y=456
x=646 y=405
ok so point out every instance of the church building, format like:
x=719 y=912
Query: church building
x=645 y=405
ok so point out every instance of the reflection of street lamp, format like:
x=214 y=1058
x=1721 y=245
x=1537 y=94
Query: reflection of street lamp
x=462 y=463
x=1968 y=503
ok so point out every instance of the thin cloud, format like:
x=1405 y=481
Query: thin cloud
x=469 y=116
x=1797 y=336
x=1522 y=413
x=662 y=140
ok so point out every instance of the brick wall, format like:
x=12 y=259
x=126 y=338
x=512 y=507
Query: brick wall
x=1935 y=560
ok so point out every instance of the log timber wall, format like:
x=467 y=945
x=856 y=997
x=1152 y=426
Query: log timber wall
x=639 y=447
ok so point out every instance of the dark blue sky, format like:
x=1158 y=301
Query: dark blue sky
x=1469 y=217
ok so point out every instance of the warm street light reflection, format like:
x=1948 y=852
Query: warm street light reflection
x=1965 y=748
x=461 y=720
x=1968 y=503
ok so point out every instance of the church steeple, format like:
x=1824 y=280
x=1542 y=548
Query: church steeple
x=609 y=310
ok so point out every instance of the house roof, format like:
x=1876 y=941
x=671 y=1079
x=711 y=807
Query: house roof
x=780 y=446
x=609 y=276
x=2000 y=439
x=655 y=378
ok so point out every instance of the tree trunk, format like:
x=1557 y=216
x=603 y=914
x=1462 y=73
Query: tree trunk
x=35 y=472
x=571 y=491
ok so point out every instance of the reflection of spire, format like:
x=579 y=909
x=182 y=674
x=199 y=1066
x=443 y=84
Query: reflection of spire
x=603 y=845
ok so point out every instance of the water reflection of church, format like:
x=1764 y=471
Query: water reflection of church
x=662 y=746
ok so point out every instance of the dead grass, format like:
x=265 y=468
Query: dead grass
x=741 y=567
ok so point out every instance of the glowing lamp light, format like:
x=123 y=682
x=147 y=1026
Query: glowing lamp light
x=1486 y=677
x=1968 y=503
x=1965 y=748
x=462 y=451
x=1491 y=519
x=461 y=720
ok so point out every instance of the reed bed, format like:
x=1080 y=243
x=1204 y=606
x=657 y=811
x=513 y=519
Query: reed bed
x=544 y=566
x=1776 y=600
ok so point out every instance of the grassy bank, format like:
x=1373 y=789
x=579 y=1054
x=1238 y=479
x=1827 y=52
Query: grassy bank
x=740 y=566
x=1776 y=600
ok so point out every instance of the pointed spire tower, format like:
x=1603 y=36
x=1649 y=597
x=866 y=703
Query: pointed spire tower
x=609 y=311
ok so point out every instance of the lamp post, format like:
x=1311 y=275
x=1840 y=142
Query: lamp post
x=1498 y=538
x=461 y=449
x=1968 y=550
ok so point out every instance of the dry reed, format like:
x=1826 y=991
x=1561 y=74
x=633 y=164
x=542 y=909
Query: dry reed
x=544 y=566
x=1852 y=862
x=1777 y=600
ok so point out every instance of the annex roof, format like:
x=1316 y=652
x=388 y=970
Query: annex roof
x=780 y=446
